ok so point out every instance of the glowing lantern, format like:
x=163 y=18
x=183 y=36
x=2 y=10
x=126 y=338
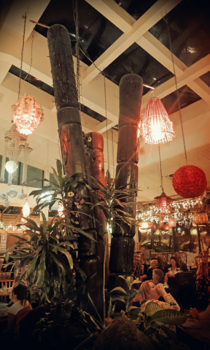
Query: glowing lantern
x=154 y=227
x=189 y=181
x=145 y=224
x=157 y=127
x=179 y=230
x=172 y=222
x=26 y=209
x=200 y=219
x=163 y=203
x=27 y=114
x=157 y=232
x=193 y=231
x=11 y=166
x=166 y=227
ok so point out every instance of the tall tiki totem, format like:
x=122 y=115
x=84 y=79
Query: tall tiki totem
x=72 y=145
x=122 y=246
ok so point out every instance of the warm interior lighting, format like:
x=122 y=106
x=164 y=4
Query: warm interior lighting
x=11 y=166
x=157 y=127
x=61 y=210
x=26 y=209
x=27 y=114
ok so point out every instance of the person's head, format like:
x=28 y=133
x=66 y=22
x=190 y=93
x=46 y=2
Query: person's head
x=173 y=262
x=157 y=276
x=122 y=334
x=20 y=293
x=148 y=291
x=154 y=264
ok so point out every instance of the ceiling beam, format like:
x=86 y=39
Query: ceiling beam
x=141 y=26
x=121 y=19
x=191 y=73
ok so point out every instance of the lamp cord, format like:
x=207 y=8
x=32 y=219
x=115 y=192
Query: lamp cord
x=22 y=51
x=32 y=43
x=177 y=92
x=161 y=174
x=105 y=104
x=76 y=20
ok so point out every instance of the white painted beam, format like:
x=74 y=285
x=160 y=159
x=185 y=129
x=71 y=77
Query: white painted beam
x=141 y=26
x=191 y=73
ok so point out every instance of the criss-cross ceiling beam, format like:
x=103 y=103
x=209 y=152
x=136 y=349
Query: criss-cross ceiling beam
x=141 y=26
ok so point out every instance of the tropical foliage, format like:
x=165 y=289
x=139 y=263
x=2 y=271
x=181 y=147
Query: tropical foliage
x=48 y=260
x=115 y=202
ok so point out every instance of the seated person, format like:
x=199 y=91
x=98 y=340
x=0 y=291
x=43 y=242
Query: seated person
x=148 y=275
x=173 y=270
x=157 y=276
x=151 y=292
x=20 y=295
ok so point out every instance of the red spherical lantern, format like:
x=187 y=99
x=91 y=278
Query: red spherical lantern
x=172 y=222
x=189 y=181
x=166 y=227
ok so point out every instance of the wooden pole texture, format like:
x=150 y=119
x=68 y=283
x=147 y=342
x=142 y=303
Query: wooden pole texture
x=122 y=247
x=72 y=149
x=66 y=100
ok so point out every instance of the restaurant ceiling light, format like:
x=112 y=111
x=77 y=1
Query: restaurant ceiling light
x=157 y=127
x=27 y=115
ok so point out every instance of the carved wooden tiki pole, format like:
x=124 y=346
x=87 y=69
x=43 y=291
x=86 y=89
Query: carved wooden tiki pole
x=122 y=247
x=72 y=145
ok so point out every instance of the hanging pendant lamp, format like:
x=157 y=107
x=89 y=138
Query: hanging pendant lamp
x=27 y=115
x=157 y=127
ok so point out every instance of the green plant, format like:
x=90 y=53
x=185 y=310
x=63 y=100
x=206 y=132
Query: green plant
x=48 y=260
x=121 y=296
x=115 y=203
x=69 y=192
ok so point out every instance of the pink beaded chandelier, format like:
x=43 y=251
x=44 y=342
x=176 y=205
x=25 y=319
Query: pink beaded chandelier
x=27 y=114
x=157 y=127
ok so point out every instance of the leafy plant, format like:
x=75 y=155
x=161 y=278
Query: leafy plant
x=115 y=203
x=48 y=260
x=122 y=297
x=69 y=192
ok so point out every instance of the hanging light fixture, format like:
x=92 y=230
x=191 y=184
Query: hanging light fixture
x=27 y=113
x=26 y=209
x=163 y=201
x=157 y=127
x=188 y=181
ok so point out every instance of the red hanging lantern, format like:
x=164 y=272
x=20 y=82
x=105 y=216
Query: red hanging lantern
x=163 y=203
x=189 y=181
x=200 y=219
x=154 y=227
x=172 y=222
x=166 y=227
x=157 y=127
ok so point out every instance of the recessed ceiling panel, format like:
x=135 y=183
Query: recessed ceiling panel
x=186 y=97
x=138 y=61
x=189 y=27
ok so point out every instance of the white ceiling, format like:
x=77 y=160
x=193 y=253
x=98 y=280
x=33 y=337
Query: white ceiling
x=45 y=141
